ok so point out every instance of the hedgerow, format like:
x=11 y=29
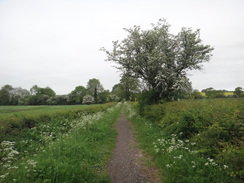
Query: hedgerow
x=215 y=127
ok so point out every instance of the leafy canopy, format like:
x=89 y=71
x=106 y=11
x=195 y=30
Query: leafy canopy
x=160 y=58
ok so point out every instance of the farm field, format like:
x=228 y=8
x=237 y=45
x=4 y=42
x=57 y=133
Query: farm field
x=14 y=118
x=193 y=140
x=59 y=147
x=8 y=111
x=225 y=94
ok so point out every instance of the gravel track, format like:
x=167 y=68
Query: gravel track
x=126 y=164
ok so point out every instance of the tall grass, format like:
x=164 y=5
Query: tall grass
x=64 y=151
x=194 y=141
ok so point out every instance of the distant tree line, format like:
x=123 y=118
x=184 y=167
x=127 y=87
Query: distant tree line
x=92 y=93
x=210 y=93
x=129 y=89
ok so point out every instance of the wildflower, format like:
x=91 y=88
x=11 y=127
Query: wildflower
x=180 y=156
x=206 y=164
x=225 y=166
x=3 y=176
x=210 y=160
x=180 y=141
x=157 y=150
x=168 y=165
x=32 y=162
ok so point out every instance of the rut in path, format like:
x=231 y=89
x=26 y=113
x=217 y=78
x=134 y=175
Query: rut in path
x=126 y=165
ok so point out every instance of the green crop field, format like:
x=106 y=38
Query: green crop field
x=8 y=111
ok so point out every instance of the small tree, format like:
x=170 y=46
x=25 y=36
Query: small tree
x=76 y=96
x=5 y=95
x=197 y=95
x=94 y=87
x=88 y=99
x=238 y=92
x=160 y=58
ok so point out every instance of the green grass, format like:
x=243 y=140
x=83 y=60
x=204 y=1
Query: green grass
x=13 y=124
x=11 y=111
x=194 y=141
x=63 y=150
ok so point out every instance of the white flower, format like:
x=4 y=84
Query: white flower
x=210 y=160
x=168 y=165
x=157 y=150
x=225 y=166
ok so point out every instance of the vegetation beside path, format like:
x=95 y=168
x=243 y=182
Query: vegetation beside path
x=14 y=120
x=63 y=150
x=193 y=141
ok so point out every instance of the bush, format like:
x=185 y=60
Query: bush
x=147 y=98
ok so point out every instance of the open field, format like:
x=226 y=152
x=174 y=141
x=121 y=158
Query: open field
x=8 y=111
x=225 y=94
x=14 y=118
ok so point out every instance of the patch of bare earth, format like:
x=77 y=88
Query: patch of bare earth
x=127 y=164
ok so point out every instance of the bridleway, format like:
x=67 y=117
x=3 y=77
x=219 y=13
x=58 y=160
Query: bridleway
x=127 y=164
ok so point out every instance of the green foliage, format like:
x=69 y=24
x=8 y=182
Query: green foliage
x=147 y=98
x=46 y=96
x=94 y=87
x=212 y=93
x=11 y=126
x=238 y=92
x=88 y=99
x=197 y=95
x=206 y=132
x=76 y=96
x=62 y=150
x=5 y=95
x=129 y=87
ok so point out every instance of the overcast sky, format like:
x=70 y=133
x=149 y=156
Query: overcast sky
x=56 y=43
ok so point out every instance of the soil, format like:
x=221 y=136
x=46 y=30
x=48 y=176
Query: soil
x=127 y=164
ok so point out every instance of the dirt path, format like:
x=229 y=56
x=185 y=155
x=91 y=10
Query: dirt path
x=126 y=165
